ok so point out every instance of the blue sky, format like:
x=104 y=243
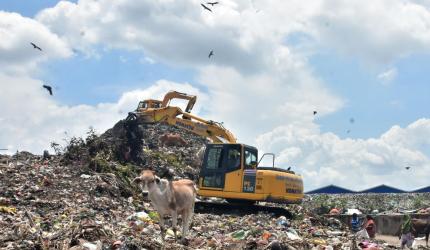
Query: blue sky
x=83 y=80
x=374 y=107
x=366 y=66
x=27 y=8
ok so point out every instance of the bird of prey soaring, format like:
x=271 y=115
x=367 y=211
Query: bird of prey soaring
x=36 y=47
x=211 y=53
x=315 y=112
x=206 y=7
x=49 y=88
x=212 y=3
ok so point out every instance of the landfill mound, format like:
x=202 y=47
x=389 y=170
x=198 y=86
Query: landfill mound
x=83 y=198
x=137 y=144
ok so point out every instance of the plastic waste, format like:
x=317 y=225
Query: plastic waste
x=239 y=235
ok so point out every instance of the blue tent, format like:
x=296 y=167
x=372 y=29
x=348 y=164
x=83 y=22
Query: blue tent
x=382 y=189
x=422 y=190
x=331 y=189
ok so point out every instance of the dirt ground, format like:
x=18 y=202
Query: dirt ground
x=393 y=240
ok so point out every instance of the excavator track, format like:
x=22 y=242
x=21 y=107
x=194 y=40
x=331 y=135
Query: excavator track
x=239 y=209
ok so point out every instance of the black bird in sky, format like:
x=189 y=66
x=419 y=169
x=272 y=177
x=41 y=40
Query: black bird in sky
x=212 y=3
x=315 y=112
x=211 y=53
x=407 y=168
x=49 y=88
x=206 y=7
x=36 y=47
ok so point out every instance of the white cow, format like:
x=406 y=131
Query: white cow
x=170 y=198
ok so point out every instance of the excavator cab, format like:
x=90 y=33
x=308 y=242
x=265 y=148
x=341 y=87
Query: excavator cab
x=231 y=171
x=147 y=104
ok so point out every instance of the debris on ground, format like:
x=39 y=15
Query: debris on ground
x=82 y=197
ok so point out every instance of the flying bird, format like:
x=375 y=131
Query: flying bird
x=348 y=131
x=212 y=3
x=315 y=112
x=407 y=168
x=36 y=47
x=206 y=7
x=351 y=120
x=288 y=169
x=49 y=88
x=211 y=54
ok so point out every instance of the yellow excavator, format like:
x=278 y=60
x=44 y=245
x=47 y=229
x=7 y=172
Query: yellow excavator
x=229 y=170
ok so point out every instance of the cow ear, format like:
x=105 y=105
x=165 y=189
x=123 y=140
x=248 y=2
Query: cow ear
x=137 y=180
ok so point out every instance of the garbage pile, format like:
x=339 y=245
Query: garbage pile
x=132 y=143
x=369 y=203
x=83 y=198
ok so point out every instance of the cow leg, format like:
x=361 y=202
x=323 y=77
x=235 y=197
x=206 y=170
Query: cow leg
x=174 y=223
x=186 y=220
x=427 y=238
x=162 y=227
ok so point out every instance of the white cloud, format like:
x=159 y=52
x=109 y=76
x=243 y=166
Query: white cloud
x=147 y=59
x=256 y=83
x=17 y=55
x=324 y=158
x=263 y=101
x=378 y=33
x=181 y=32
x=36 y=119
x=388 y=76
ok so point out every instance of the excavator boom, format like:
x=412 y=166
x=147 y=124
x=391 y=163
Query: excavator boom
x=178 y=95
x=156 y=111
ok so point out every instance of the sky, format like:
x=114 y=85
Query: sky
x=363 y=68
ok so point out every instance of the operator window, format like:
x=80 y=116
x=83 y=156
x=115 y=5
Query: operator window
x=249 y=158
x=213 y=180
x=233 y=158
x=214 y=157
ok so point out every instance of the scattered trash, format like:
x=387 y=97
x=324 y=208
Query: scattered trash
x=292 y=234
x=83 y=198
x=9 y=210
x=334 y=211
x=266 y=235
x=239 y=235
x=153 y=216
x=282 y=221
x=351 y=211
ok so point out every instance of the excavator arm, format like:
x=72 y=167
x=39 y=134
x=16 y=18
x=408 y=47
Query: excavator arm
x=175 y=94
x=154 y=111
x=215 y=131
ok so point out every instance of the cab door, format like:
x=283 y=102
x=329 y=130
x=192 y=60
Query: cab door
x=221 y=168
x=212 y=172
x=250 y=170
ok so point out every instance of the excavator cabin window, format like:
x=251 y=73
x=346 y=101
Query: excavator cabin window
x=219 y=160
x=233 y=158
x=250 y=158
